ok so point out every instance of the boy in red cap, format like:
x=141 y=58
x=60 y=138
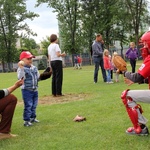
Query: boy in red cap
x=30 y=74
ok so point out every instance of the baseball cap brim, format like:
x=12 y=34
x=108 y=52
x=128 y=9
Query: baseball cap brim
x=26 y=54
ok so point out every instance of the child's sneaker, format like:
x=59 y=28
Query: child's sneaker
x=27 y=124
x=32 y=120
x=111 y=82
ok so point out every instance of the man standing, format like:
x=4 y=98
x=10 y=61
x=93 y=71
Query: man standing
x=98 y=57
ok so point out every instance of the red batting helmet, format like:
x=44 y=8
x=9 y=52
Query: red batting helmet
x=146 y=39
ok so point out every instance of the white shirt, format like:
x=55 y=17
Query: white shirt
x=52 y=49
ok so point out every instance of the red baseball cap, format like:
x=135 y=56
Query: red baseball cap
x=26 y=54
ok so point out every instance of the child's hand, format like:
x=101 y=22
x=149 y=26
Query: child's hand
x=21 y=64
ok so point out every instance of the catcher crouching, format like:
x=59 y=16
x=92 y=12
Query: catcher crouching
x=131 y=97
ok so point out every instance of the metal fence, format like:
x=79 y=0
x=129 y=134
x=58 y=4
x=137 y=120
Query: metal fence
x=68 y=61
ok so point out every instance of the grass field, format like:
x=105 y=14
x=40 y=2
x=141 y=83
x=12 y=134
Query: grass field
x=100 y=103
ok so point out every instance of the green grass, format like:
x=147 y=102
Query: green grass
x=104 y=128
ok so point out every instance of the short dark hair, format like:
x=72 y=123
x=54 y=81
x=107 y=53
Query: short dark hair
x=53 y=38
x=98 y=35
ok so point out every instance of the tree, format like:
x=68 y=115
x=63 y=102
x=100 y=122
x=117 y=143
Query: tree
x=12 y=15
x=45 y=43
x=79 y=20
x=138 y=12
x=28 y=43
x=90 y=16
x=67 y=13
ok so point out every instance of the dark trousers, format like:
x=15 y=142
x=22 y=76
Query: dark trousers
x=7 y=108
x=133 y=64
x=99 y=63
x=111 y=72
x=57 y=77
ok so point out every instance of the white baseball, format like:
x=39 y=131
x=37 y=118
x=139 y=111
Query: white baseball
x=21 y=62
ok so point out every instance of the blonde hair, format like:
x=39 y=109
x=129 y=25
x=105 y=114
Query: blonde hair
x=132 y=43
x=105 y=52
x=115 y=53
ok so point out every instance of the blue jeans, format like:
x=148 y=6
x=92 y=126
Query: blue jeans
x=99 y=63
x=30 y=99
x=108 y=75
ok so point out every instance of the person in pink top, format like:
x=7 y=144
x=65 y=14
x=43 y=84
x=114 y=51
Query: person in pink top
x=107 y=65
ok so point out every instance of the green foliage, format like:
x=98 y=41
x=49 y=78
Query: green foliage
x=45 y=43
x=68 y=16
x=41 y=66
x=12 y=15
x=115 y=19
x=138 y=14
x=28 y=43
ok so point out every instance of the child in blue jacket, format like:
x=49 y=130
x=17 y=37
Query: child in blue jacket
x=30 y=74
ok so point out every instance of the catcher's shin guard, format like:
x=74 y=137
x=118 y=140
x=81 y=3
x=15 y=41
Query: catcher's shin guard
x=132 y=112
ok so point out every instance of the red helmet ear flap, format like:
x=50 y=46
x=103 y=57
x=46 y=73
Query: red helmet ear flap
x=144 y=52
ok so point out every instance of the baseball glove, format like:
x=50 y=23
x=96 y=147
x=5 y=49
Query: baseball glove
x=46 y=74
x=119 y=63
x=79 y=118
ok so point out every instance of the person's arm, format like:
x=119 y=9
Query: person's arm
x=10 y=89
x=15 y=86
x=60 y=54
x=127 y=53
x=97 y=49
x=20 y=70
x=134 y=77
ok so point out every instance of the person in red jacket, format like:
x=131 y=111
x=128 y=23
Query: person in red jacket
x=131 y=97
x=107 y=65
x=7 y=107
x=79 y=62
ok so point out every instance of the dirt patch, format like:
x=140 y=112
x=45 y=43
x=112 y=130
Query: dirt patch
x=48 y=100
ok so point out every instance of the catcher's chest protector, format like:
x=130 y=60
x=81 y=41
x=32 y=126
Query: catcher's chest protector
x=132 y=112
